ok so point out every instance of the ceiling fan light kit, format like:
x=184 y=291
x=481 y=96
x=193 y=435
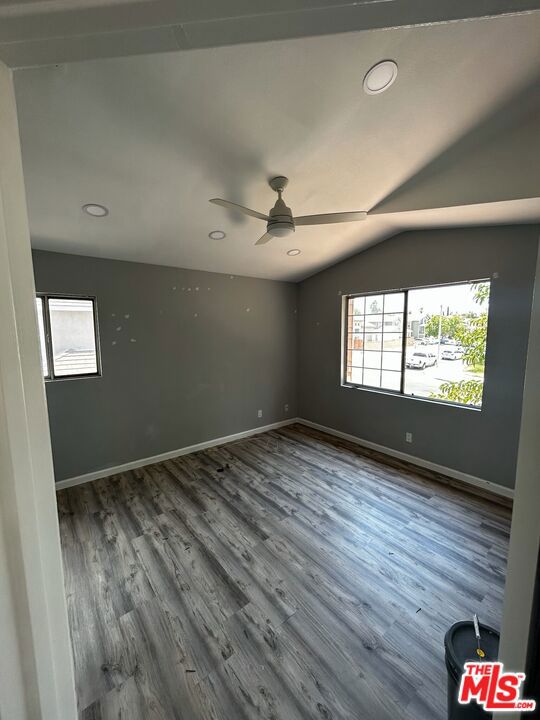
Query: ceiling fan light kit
x=280 y=221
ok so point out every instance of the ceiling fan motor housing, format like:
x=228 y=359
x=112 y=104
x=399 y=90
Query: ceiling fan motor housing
x=280 y=223
x=280 y=220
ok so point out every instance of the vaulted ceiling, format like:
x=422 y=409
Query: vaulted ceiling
x=454 y=141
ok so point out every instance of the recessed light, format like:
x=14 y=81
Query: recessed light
x=380 y=77
x=95 y=210
x=217 y=235
x=294 y=251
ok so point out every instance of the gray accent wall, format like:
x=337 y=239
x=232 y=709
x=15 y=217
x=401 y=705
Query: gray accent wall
x=481 y=443
x=187 y=357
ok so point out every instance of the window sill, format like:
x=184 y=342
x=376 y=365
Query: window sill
x=73 y=377
x=393 y=393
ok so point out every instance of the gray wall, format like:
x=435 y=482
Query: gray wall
x=210 y=350
x=202 y=365
x=482 y=443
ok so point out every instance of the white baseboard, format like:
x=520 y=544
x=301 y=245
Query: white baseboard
x=449 y=472
x=492 y=487
x=105 y=472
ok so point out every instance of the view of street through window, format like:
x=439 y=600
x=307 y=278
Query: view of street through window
x=442 y=330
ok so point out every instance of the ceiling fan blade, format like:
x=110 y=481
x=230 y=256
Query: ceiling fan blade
x=264 y=239
x=329 y=218
x=240 y=208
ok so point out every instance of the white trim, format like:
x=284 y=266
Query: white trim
x=105 y=472
x=517 y=619
x=443 y=470
x=36 y=678
x=492 y=487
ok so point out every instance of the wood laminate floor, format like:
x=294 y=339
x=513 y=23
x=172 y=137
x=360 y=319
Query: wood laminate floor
x=286 y=576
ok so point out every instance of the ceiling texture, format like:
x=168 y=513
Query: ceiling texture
x=155 y=135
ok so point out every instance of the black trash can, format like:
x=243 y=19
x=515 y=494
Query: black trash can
x=460 y=647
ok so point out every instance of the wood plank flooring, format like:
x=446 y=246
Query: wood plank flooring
x=283 y=577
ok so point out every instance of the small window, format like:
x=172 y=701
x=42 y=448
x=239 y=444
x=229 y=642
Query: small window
x=68 y=336
x=422 y=342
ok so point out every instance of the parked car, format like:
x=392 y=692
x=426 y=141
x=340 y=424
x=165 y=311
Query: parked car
x=421 y=359
x=452 y=354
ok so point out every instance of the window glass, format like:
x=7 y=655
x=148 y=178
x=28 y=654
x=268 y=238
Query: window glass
x=374 y=304
x=393 y=341
x=393 y=322
x=370 y=329
x=354 y=375
x=358 y=305
x=391 y=361
x=73 y=336
x=394 y=302
x=446 y=350
x=372 y=359
x=372 y=378
x=372 y=340
x=444 y=339
x=391 y=380
x=356 y=341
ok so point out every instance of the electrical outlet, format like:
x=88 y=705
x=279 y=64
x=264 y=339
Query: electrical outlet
x=259 y=413
x=286 y=407
x=408 y=437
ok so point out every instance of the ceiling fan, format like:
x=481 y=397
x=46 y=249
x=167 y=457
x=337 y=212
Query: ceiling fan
x=280 y=221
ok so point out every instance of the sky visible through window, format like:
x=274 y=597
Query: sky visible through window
x=457 y=298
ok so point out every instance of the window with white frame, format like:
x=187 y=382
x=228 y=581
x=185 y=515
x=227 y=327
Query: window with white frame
x=68 y=336
x=425 y=342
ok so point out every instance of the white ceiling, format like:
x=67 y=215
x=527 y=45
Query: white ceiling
x=153 y=137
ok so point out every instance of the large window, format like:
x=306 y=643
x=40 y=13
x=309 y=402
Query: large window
x=68 y=336
x=423 y=342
